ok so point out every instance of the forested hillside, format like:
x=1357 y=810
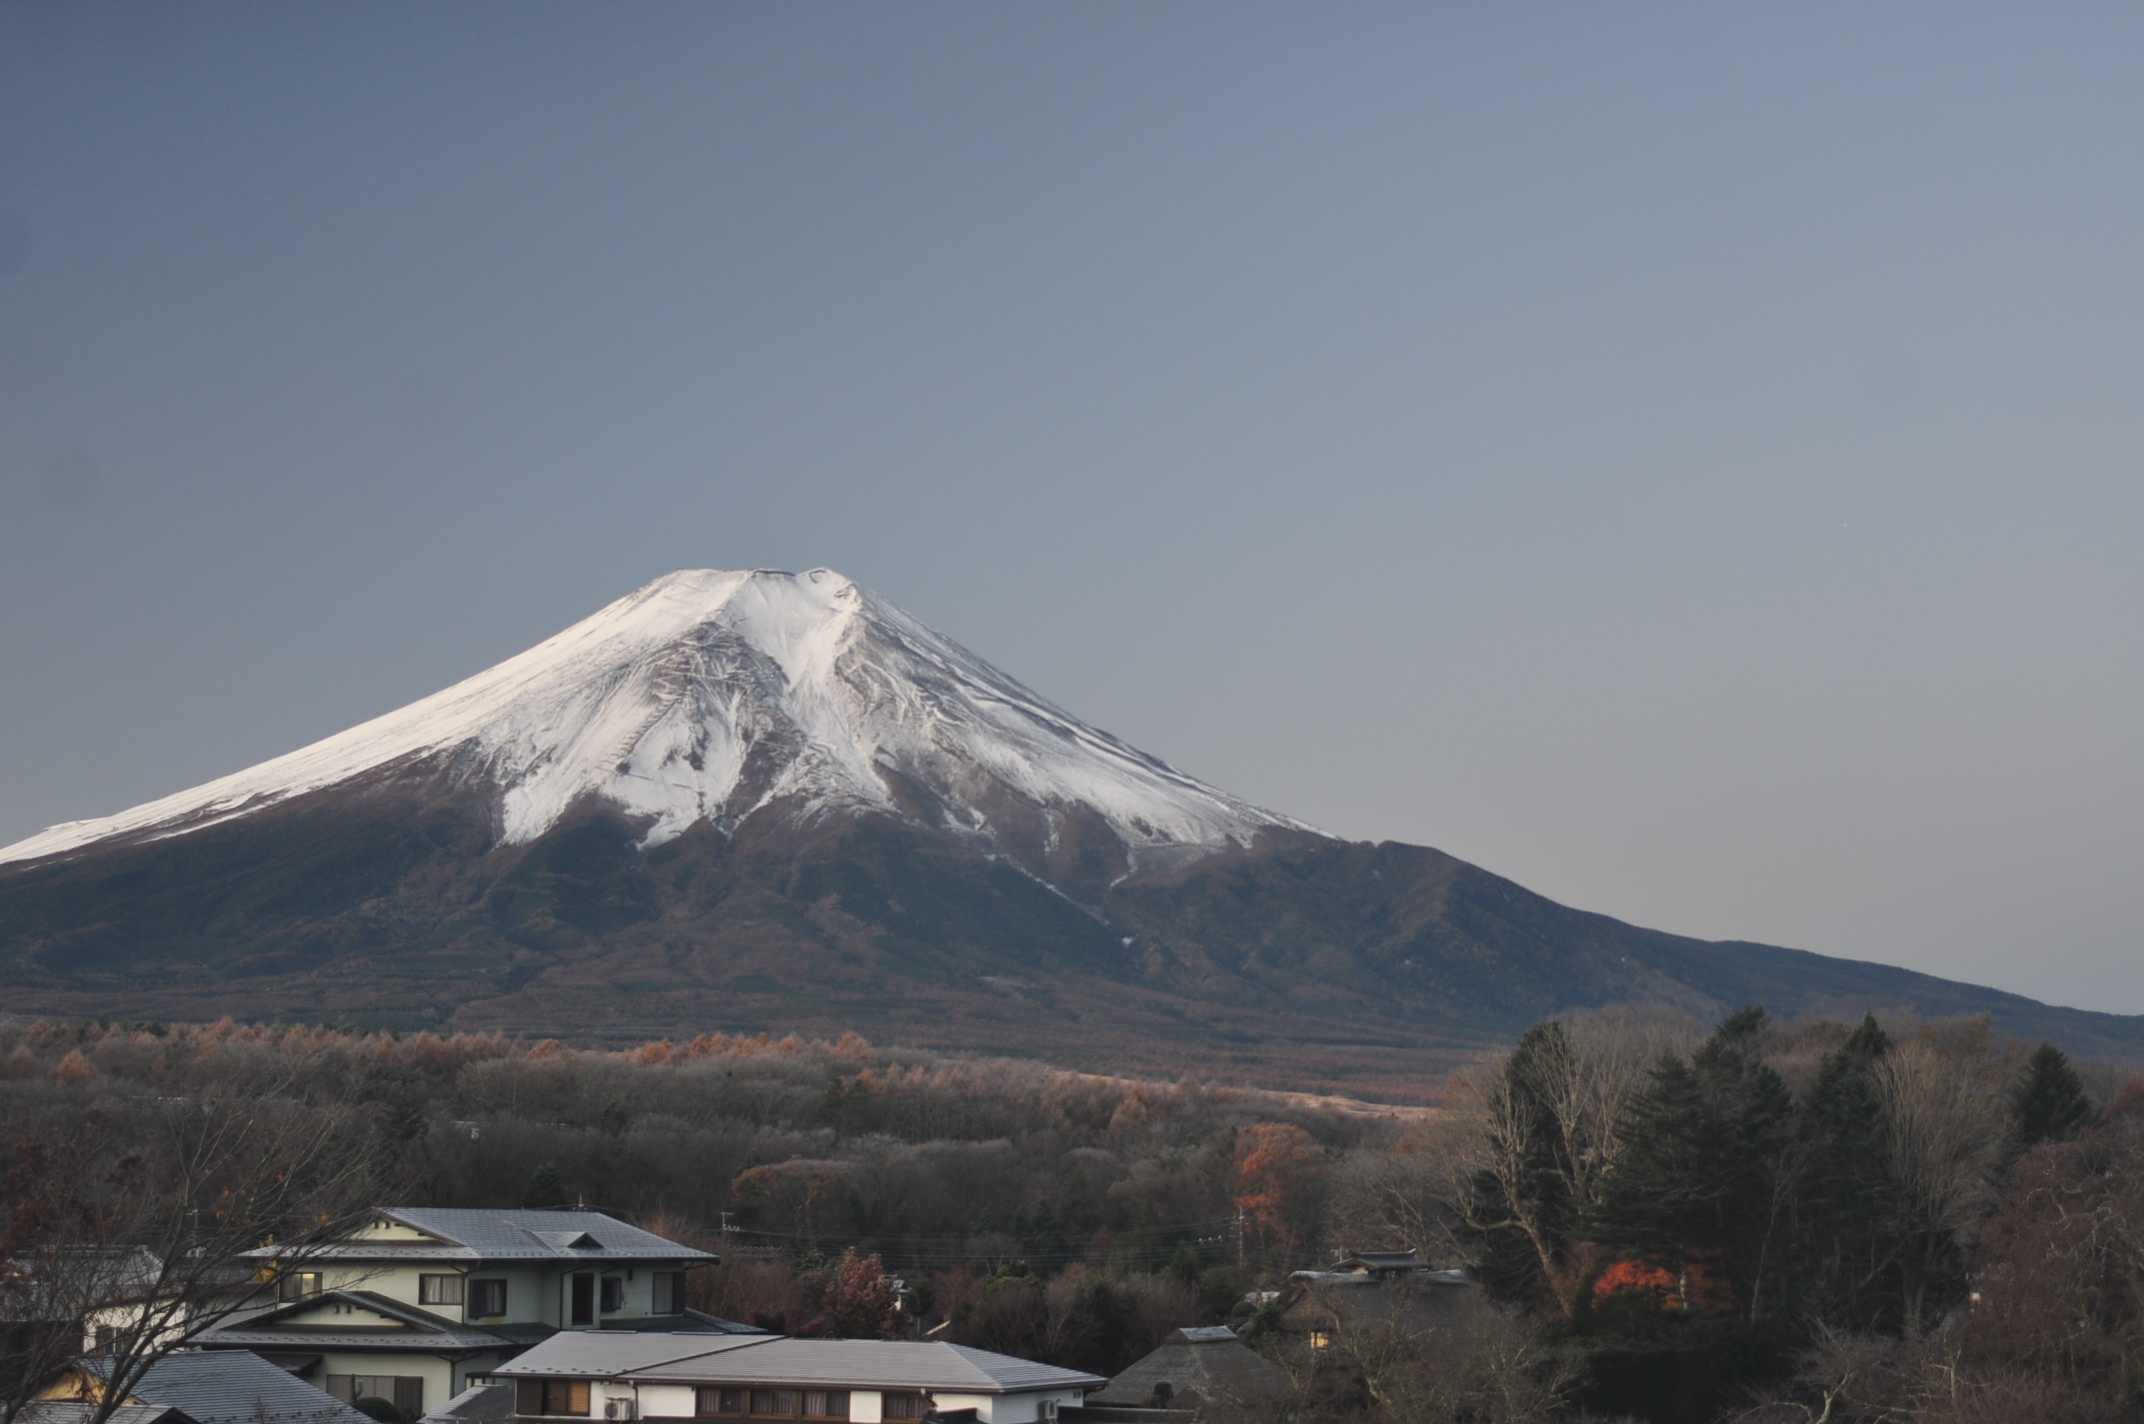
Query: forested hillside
x=1909 y=1222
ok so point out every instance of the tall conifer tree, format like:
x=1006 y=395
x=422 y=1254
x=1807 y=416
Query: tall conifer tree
x=2048 y=1103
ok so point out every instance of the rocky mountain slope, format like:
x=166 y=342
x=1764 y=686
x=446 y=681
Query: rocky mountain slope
x=756 y=800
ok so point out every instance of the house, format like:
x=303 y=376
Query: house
x=771 y=1379
x=1372 y=1291
x=419 y=1300
x=1382 y=1265
x=209 y=1388
x=1194 y=1367
x=99 y=1291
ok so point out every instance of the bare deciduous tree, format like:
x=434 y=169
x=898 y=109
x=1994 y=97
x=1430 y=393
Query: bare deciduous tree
x=139 y=1222
x=1944 y=1134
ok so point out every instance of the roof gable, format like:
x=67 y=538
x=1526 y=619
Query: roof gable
x=534 y=1235
x=388 y=1228
x=342 y=1311
x=355 y=1309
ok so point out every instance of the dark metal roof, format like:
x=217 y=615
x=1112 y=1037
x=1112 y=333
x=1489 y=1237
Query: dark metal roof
x=68 y=1411
x=479 y=1402
x=1408 y=1260
x=236 y=1387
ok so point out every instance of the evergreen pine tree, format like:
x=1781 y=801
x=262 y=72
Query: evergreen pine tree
x=1703 y=1170
x=545 y=1192
x=2048 y=1102
x=1867 y=1043
x=1848 y=1201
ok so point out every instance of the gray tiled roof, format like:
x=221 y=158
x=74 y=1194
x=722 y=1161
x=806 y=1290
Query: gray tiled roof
x=237 y=1387
x=478 y=1402
x=68 y=1411
x=467 y=1235
x=856 y=1364
x=416 y=1330
x=607 y=1353
x=542 y=1235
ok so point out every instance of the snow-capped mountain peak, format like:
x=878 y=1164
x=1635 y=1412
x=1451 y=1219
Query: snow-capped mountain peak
x=717 y=695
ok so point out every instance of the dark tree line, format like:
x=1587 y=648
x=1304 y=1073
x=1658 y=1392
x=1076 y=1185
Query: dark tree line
x=1760 y=1193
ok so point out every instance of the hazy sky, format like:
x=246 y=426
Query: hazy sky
x=1686 y=459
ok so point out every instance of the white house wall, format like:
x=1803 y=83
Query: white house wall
x=668 y=1401
x=533 y=1292
x=866 y=1406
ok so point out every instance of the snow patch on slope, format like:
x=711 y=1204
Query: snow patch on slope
x=663 y=702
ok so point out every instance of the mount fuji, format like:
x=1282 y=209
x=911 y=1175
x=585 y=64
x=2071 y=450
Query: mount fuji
x=713 y=696
x=755 y=800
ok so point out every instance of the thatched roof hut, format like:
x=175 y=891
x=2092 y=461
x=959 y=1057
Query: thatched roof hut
x=1200 y=1365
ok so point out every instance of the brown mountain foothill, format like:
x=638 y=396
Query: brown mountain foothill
x=755 y=801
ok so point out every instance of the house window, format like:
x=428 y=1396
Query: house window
x=551 y=1397
x=1320 y=1340
x=669 y=1292
x=581 y=1299
x=404 y=1392
x=613 y=1294
x=487 y=1298
x=903 y=1406
x=439 y=1290
x=814 y=1404
x=297 y=1285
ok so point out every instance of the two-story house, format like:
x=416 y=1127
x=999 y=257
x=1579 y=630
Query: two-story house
x=413 y=1304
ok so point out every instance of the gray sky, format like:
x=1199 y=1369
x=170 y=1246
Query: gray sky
x=1683 y=458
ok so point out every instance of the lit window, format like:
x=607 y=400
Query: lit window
x=1319 y=1340
x=297 y=1285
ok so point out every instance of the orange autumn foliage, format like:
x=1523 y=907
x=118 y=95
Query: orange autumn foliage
x=1695 y=1289
x=1276 y=1163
